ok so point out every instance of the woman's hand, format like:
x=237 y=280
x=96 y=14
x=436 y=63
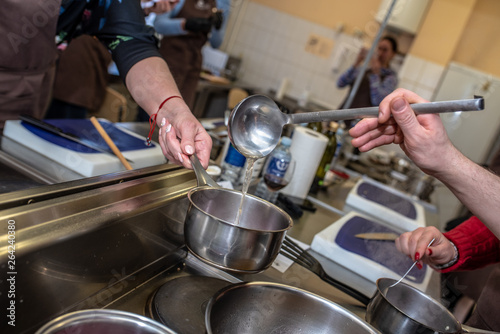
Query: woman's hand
x=182 y=135
x=414 y=244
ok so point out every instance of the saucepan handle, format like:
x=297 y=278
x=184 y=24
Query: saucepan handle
x=201 y=174
x=472 y=330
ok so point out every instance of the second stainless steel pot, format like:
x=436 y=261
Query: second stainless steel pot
x=405 y=309
x=264 y=307
x=211 y=232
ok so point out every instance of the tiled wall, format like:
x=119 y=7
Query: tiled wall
x=420 y=76
x=272 y=46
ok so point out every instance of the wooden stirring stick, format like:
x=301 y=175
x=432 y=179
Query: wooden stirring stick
x=110 y=142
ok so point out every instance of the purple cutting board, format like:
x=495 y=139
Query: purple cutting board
x=382 y=252
x=387 y=199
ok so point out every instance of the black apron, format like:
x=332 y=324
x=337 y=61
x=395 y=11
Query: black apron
x=27 y=56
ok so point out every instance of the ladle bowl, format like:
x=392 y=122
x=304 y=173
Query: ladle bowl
x=256 y=123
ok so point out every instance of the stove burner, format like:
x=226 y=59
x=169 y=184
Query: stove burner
x=180 y=303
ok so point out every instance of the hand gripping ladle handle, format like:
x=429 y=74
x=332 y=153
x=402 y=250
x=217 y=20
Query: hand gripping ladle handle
x=419 y=108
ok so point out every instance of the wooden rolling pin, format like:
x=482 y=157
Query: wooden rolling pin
x=110 y=142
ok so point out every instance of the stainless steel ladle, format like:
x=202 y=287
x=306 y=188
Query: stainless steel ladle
x=256 y=123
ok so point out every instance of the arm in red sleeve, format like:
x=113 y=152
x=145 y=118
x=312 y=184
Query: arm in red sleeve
x=477 y=245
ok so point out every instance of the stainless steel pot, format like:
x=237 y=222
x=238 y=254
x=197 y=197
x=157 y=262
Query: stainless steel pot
x=212 y=235
x=263 y=307
x=405 y=309
x=103 y=322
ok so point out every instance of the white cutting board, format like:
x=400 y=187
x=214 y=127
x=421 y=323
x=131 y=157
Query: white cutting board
x=80 y=159
x=371 y=259
x=385 y=205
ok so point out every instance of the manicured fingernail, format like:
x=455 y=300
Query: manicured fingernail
x=419 y=266
x=163 y=121
x=430 y=251
x=180 y=157
x=417 y=256
x=168 y=128
x=189 y=149
x=159 y=132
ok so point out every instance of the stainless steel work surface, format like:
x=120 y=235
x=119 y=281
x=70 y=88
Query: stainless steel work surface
x=112 y=241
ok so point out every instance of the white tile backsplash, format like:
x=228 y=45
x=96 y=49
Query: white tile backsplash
x=272 y=46
x=431 y=74
x=412 y=68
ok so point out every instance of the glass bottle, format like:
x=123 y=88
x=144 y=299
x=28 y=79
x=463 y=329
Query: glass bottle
x=324 y=165
x=316 y=126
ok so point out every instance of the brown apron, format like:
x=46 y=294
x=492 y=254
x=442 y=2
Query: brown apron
x=183 y=52
x=27 y=56
x=81 y=80
x=362 y=98
x=486 y=314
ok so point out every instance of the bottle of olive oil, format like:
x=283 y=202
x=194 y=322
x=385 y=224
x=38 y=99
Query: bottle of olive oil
x=316 y=126
x=327 y=158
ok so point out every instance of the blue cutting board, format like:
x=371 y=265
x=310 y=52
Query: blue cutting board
x=79 y=158
x=84 y=129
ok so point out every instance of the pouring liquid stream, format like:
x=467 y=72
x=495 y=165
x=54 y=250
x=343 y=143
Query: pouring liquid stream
x=246 y=184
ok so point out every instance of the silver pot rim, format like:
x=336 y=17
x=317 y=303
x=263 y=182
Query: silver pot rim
x=89 y=315
x=202 y=188
x=288 y=288
x=437 y=330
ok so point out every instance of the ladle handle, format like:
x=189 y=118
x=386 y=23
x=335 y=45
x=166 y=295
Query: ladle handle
x=202 y=176
x=419 y=108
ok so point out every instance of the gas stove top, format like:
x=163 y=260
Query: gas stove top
x=177 y=297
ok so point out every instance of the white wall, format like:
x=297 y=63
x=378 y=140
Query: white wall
x=272 y=46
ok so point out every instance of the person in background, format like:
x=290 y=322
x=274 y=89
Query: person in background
x=27 y=64
x=186 y=29
x=158 y=6
x=379 y=79
x=81 y=78
x=470 y=245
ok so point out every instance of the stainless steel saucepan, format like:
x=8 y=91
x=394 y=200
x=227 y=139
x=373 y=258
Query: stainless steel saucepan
x=264 y=307
x=405 y=309
x=211 y=232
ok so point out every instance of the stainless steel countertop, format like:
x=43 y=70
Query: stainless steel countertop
x=329 y=204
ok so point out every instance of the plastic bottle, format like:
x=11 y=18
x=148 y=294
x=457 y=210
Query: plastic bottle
x=327 y=158
x=232 y=166
x=274 y=171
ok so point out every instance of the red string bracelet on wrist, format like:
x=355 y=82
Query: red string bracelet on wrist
x=152 y=119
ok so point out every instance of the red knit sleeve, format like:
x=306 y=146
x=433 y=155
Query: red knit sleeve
x=477 y=245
